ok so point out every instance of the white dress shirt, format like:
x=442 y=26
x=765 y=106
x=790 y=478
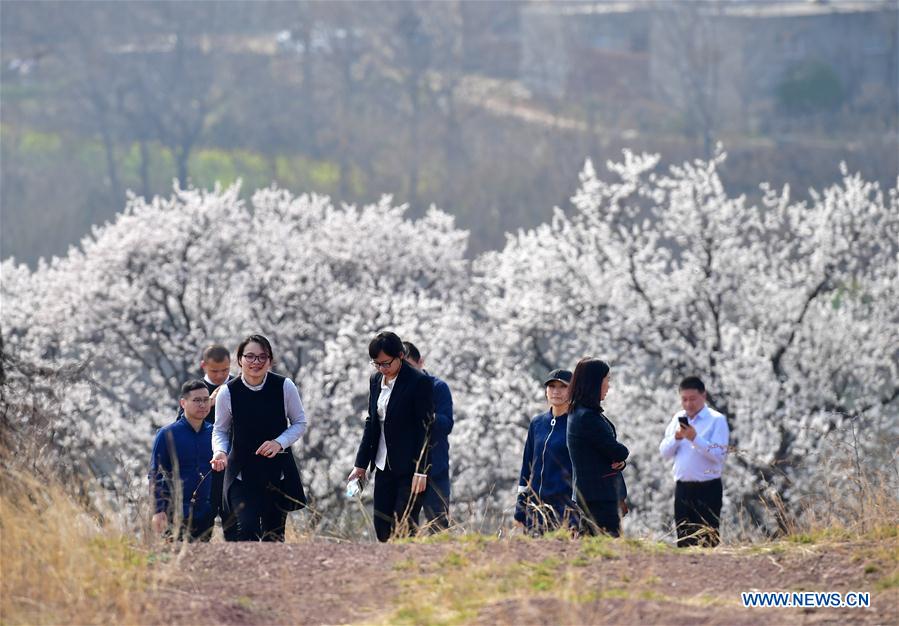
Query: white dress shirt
x=293 y=408
x=702 y=459
x=383 y=400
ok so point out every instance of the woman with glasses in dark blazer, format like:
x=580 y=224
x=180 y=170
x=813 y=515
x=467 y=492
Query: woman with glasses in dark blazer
x=597 y=457
x=396 y=438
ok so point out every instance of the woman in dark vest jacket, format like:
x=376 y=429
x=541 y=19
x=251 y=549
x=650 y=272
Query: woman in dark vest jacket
x=258 y=416
x=596 y=456
x=396 y=440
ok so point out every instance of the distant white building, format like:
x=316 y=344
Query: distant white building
x=739 y=65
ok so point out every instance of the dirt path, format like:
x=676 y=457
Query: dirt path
x=477 y=580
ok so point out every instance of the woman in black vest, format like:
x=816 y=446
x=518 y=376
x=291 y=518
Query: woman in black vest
x=258 y=416
x=396 y=439
x=596 y=456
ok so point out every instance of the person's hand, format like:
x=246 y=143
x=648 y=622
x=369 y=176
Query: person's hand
x=622 y=504
x=159 y=522
x=419 y=483
x=358 y=472
x=618 y=465
x=269 y=449
x=219 y=461
x=521 y=505
x=689 y=432
x=214 y=393
x=679 y=433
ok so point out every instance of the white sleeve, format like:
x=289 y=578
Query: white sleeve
x=221 y=430
x=715 y=448
x=293 y=408
x=668 y=447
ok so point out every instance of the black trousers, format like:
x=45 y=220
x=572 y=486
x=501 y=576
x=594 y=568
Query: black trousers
x=600 y=516
x=550 y=513
x=395 y=508
x=194 y=529
x=229 y=522
x=435 y=502
x=697 y=512
x=258 y=511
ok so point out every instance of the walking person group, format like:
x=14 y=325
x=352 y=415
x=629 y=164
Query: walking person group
x=239 y=466
x=233 y=459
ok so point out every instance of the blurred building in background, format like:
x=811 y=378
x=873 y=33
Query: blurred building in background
x=752 y=67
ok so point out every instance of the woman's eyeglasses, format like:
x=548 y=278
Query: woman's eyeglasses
x=255 y=358
x=383 y=365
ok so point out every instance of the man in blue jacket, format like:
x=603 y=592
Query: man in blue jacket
x=180 y=484
x=437 y=495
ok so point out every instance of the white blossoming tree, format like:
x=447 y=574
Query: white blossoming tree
x=133 y=305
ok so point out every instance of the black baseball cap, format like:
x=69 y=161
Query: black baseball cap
x=563 y=376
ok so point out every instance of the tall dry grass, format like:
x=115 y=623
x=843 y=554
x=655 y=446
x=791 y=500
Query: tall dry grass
x=855 y=494
x=60 y=563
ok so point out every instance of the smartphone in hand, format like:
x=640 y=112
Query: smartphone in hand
x=683 y=421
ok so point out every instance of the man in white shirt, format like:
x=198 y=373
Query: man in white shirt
x=696 y=439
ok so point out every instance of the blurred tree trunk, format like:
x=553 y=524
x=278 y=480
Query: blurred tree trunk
x=415 y=50
x=144 y=168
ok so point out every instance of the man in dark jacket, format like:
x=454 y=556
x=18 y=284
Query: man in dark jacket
x=436 y=498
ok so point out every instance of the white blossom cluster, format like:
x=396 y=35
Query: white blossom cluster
x=787 y=309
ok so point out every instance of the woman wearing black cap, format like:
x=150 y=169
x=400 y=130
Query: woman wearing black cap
x=544 y=488
x=596 y=456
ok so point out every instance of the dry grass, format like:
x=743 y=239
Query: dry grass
x=457 y=587
x=871 y=513
x=60 y=565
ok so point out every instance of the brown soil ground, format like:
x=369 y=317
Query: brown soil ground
x=322 y=582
